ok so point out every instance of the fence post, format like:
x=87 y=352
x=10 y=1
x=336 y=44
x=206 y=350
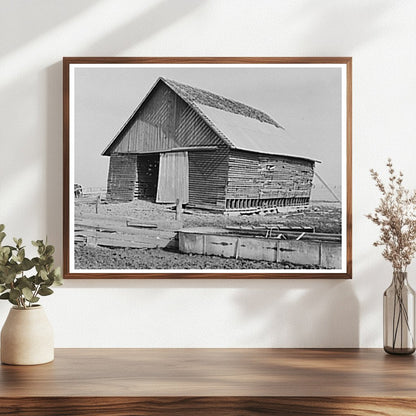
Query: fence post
x=178 y=216
x=96 y=203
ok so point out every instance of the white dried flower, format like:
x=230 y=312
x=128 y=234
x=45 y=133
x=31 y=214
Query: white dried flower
x=396 y=217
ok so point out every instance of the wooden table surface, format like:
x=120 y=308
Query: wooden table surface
x=212 y=381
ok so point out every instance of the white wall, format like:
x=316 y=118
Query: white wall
x=380 y=35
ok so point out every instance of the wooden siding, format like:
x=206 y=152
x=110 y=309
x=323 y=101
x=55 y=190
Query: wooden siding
x=164 y=122
x=222 y=178
x=122 y=176
x=208 y=178
x=167 y=122
x=173 y=181
x=258 y=176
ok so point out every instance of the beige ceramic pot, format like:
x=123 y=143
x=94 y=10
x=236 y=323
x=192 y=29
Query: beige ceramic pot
x=27 y=337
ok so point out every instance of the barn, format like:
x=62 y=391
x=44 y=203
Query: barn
x=209 y=151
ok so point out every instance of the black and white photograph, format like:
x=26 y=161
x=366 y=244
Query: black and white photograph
x=214 y=168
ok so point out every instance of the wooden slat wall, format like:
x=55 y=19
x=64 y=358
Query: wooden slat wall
x=148 y=130
x=173 y=178
x=208 y=178
x=122 y=176
x=164 y=122
x=252 y=175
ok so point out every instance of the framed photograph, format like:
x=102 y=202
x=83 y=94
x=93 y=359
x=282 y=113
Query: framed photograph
x=207 y=168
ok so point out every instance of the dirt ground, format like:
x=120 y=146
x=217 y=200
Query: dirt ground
x=324 y=217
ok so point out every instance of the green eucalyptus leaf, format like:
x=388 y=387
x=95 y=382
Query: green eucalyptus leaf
x=49 y=250
x=45 y=291
x=3 y=272
x=47 y=260
x=48 y=282
x=43 y=275
x=14 y=267
x=15 y=294
x=2 y=288
x=26 y=264
x=2 y=227
x=38 y=280
x=2 y=236
x=4 y=254
x=24 y=282
x=9 y=277
x=27 y=293
x=21 y=255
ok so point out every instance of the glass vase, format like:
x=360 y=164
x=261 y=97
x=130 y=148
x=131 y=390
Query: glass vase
x=399 y=316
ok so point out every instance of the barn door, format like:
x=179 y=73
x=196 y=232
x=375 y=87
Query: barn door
x=173 y=179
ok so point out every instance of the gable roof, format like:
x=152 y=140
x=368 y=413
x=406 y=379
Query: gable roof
x=193 y=95
x=239 y=125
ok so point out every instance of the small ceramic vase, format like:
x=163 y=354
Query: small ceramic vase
x=27 y=337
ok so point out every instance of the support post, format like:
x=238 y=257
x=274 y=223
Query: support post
x=97 y=202
x=178 y=216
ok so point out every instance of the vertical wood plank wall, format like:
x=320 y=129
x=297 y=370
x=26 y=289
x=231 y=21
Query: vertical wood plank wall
x=173 y=181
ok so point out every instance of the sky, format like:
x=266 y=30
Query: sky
x=305 y=101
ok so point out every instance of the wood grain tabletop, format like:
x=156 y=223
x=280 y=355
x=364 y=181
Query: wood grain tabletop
x=239 y=379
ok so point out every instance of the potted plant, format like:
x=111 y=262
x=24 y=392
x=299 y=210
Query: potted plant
x=27 y=336
x=396 y=217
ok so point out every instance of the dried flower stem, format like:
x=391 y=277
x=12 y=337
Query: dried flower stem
x=396 y=217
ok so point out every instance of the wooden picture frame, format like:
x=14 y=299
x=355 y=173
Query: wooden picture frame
x=212 y=152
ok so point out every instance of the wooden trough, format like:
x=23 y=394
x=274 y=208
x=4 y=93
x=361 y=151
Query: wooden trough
x=315 y=250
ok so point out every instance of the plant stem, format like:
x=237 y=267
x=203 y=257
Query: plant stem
x=401 y=314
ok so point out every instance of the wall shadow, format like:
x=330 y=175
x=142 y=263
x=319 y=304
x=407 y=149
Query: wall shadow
x=301 y=313
x=350 y=24
x=34 y=18
x=157 y=18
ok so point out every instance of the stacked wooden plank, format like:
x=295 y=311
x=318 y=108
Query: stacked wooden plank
x=108 y=231
x=267 y=180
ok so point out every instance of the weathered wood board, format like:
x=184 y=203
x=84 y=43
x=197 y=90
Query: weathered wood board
x=325 y=254
x=113 y=232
